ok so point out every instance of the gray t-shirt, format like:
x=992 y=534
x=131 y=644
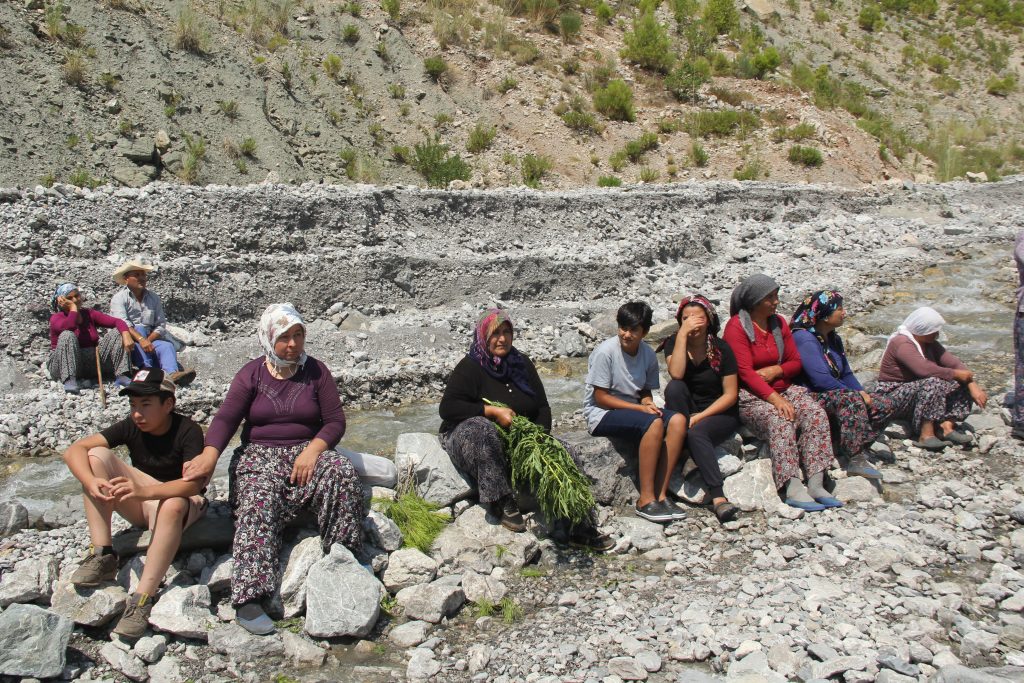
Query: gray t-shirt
x=623 y=375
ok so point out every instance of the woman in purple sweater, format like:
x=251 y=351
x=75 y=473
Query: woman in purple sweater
x=286 y=461
x=915 y=363
x=74 y=338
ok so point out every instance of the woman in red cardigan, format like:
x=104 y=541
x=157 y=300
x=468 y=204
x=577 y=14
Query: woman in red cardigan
x=776 y=410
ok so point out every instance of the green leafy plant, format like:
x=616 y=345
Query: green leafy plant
x=81 y=178
x=248 y=147
x=435 y=67
x=608 y=181
x=532 y=572
x=617 y=160
x=685 y=80
x=615 y=101
x=604 y=12
x=698 y=155
x=751 y=170
x=483 y=608
x=418 y=520
x=801 y=131
x=506 y=84
x=569 y=25
x=870 y=18
x=648 y=174
x=439 y=168
x=582 y=122
x=229 y=108
x=719 y=123
x=389 y=604
x=534 y=168
x=648 y=44
x=1001 y=87
x=805 y=156
x=402 y=154
x=540 y=464
x=397 y=91
x=635 y=148
x=350 y=34
x=72 y=141
x=480 y=138
x=109 y=81
x=721 y=16
x=48 y=179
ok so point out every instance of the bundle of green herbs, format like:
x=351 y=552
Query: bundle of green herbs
x=541 y=464
x=417 y=519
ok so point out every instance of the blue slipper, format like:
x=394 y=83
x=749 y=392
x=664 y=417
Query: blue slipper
x=809 y=507
x=830 y=502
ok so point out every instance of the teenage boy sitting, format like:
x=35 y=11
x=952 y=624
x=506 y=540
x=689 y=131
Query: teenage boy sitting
x=621 y=373
x=149 y=493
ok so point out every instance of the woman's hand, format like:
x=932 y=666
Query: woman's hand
x=692 y=326
x=126 y=341
x=66 y=305
x=99 y=489
x=503 y=416
x=867 y=398
x=200 y=467
x=302 y=470
x=964 y=376
x=770 y=373
x=123 y=488
x=697 y=417
x=785 y=408
x=978 y=394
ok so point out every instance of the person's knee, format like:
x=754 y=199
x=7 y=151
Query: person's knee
x=677 y=424
x=677 y=396
x=173 y=508
x=67 y=337
x=655 y=430
x=103 y=457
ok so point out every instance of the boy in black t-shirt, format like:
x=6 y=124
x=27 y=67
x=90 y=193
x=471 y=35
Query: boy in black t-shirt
x=149 y=493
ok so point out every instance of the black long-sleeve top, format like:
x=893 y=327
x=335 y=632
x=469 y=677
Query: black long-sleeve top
x=469 y=385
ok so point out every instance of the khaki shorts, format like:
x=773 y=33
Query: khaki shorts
x=119 y=468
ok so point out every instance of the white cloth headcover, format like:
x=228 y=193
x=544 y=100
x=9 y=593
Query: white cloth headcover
x=277 y=319
x=923 y=321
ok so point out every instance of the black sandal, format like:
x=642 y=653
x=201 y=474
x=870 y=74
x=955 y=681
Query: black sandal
x=725 y=511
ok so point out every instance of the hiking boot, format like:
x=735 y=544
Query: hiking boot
x=182 y=378
x=135 y=620
x=95 y=570
x=511 y=517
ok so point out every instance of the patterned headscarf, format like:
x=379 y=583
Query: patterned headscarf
x=748 y=294
x=815 y=307
x=714 y=354
x=818 y=306
x=277 y=319
x=923 y=321
x=510 y=368
x=62 y=290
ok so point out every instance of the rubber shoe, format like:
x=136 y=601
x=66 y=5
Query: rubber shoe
x=829 y=502
x=122 y=381
x=653 y=512
x=253 y=619
x=182 y=378
x=958 y=437
x=135 y=620
x=672 y=509
x=71 y=386
x=511 y=517
x=932 y=443
x=95 y=570
x=808 y=507
x=858 y=466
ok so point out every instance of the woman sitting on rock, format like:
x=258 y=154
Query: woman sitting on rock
x=778 y=412
x=826 y=372
x=494 y=371
x=286 y=462
x=74 y=338
x=917 y=369
x=704 y=388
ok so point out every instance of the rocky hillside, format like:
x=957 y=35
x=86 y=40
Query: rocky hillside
x=541 y=92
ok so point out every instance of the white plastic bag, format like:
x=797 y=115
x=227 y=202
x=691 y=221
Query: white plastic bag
x=372 y=469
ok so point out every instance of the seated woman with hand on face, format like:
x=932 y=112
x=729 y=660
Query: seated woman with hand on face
x=494 y=371
x=74 y=338
x=293 y=419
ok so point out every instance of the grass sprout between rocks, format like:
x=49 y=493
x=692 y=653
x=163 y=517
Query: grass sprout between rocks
x=418 y=520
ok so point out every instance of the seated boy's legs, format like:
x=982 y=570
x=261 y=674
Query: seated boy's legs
x=675 y=437
x=648 y=431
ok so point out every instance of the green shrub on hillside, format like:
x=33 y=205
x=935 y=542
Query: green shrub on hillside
x=608 y=181
x=439 y=168
x=805 y=156
x=721 y=16
x=801 y=131
x=569 y=25
x=635 y=149
x=393 y=8
x=480 y=138
x=686 y=79
x=534 y=168
x=722 y=123
x=870 y=18
x=189 y=33
x=758 y=65
x=698 y=155
x=435 y=67
x=350 y=34
x=648 y=44
x=1001 y=87
x=582 y=122
x=946 y=84
x=332 y=66
x=604 y=12
x=615 y=101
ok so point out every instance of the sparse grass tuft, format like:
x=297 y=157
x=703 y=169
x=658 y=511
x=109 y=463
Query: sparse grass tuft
x=720 y=123
x=402 y=154
x=698 y=155
x=195 y=153
x=332 y=66
x=1001 y=87
x=615 y=101
x=81 y=178
x=350 y=34
x=435 y=67
x=507 y=83
x=511 y=612
x=109 y=81
x=751 y=170
x=393 y=8
x=801 y=131
x=397 y=91
x=483 y=608
x=189 y=33
x=229 y=108
x=439 y=168
x=74 y=69
x=534 y=168
x=418 y=520
x=569 y=25
x=805 y=156
x=635 y=148
x=648 y=174
x=608 y=181
x=480 y=138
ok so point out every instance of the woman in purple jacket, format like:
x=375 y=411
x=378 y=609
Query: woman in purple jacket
x=286 y=461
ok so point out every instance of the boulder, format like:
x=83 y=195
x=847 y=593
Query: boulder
x=13 y=518
x=296 y=560
x=610 y=465
x=150 y=648
x=125 y=662
x=471 y=542
x=753 y=488
x=32 y=579
x=431 y=601
x=478 y=587
x=238 y=645
x=217 y=577
x=856 y=489
x=302 y=651
x=762 y=9
x=982 y=422
x=382 y=532
x=183 y=611
x=209 y=532
x=140 y=151
x=135 y=176
x=167 y=670
x=66 y=512
x=957 y=673
x=410 y=634
x=419 y=456
x=408 y=567
x=88 y=606
x=644 y=535
x=342 y=596
x=33 y=642
x=422 y=665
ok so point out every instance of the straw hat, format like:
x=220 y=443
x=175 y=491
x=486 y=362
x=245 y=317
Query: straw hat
x=129 y=266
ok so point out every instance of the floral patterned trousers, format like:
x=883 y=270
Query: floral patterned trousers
x=804 y=444
x=1018 y=374
x=264 y=502
x=859 y=425
x=929 y=399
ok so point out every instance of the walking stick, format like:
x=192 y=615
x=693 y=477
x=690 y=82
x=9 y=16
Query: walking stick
x=99 y=379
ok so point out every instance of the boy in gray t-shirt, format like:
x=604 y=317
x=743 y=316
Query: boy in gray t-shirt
x=621 y=373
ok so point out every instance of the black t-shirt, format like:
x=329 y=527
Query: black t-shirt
x=704 y=383
x=161 y=457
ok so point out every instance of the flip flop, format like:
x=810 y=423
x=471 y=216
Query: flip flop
x=809 y=507
x=726 y=511
x=830 y=502
x=932 y=443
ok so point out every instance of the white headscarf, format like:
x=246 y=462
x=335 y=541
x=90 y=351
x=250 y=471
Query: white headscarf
x=273 y=323
x=923 y=321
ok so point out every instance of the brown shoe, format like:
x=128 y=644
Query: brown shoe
x=95 y=570
x=135 y=620
x=511 y=518
x=182 y=378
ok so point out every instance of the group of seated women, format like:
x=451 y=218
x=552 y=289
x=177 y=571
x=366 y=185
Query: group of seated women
x=783 y=385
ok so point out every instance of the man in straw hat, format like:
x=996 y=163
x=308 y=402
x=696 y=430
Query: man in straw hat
x=141 y=308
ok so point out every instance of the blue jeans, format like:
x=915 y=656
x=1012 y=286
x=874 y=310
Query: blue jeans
x=163 y=354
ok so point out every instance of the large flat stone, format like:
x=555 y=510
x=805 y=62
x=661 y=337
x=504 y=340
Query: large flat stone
x=610 y=464
x=419 y=457
x=471 y=542
x=88 y=606
x=431 y=602
x=296 y=561
x=33 y=642
x=32 y=579
x=408 y=567
x=184 y=611
x=342 y=596
x=753 y=488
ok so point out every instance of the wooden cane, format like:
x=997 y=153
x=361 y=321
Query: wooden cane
x=99 y=379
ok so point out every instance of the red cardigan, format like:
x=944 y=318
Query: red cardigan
x=762 y=353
